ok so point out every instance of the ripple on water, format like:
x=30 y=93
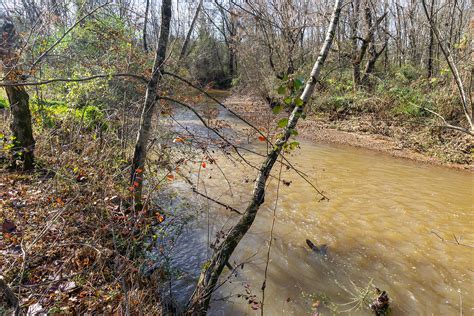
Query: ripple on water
x=377 y=224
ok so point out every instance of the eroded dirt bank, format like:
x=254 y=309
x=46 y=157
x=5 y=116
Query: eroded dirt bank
x=398 y=139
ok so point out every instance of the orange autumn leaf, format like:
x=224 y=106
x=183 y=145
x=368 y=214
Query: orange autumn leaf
x=139 y=170
x=178 y=140
x=170 y=177
x=203 y=164
x=136 y=184
x=160 y=217
x=262 y=138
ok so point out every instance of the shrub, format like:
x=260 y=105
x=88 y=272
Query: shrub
x=51 y=113
x=3 y=103
x=408 y=101
x=407 y=73
x=336 y=105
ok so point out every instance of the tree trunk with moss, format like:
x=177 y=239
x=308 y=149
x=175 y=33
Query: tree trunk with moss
x=21 y=126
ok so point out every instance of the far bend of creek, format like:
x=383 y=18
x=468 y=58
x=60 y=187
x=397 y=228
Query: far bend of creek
x=379 y=226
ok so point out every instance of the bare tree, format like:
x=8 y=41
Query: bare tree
x=139 y=156
x=184 y=49
x=467 y=109
x=367 y=44
x=431 y=43
x=145 y=23
x=201 y=297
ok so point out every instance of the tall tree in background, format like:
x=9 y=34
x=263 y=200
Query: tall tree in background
x=431 y=43
x=21 y=127
x=228 y=29
x=368 y=44
x=184 y=49
x=446 y=51
x=139 y=156
x=145 y=23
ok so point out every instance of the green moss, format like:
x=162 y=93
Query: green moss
x=4 y=104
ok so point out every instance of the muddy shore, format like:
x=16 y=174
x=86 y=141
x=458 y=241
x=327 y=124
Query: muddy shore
x=361 y=132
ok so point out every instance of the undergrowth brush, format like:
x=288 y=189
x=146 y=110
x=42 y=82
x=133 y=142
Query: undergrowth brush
x=70 y=242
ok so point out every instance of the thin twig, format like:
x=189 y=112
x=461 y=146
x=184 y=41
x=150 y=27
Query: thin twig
x=48 y=81
x=66 y=33
x=264 y=285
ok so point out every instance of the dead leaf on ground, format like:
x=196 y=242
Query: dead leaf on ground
x=8 y=226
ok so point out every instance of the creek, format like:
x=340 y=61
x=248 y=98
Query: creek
x=390 y=222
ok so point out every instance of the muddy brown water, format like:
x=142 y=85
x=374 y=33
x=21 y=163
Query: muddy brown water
x=383 y=224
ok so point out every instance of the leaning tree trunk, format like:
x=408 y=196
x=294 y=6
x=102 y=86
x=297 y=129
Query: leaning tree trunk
x=139 y=156
x=21 y=126
x=200 y=299
x=184 y=49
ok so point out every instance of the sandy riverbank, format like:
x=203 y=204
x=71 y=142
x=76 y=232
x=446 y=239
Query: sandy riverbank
x=360 y=132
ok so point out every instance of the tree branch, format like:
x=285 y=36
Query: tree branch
x=48 y=81
x=43 y=55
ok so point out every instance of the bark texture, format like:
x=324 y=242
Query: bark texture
x=21 y=126
x=200 y=299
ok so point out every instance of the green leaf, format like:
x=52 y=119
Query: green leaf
x=277 y=109
x=281 y=90
x=288 y=100
x=298 y=83
x=294 y=132
x=299 y=102
x=294 y=145
x=283 y=123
